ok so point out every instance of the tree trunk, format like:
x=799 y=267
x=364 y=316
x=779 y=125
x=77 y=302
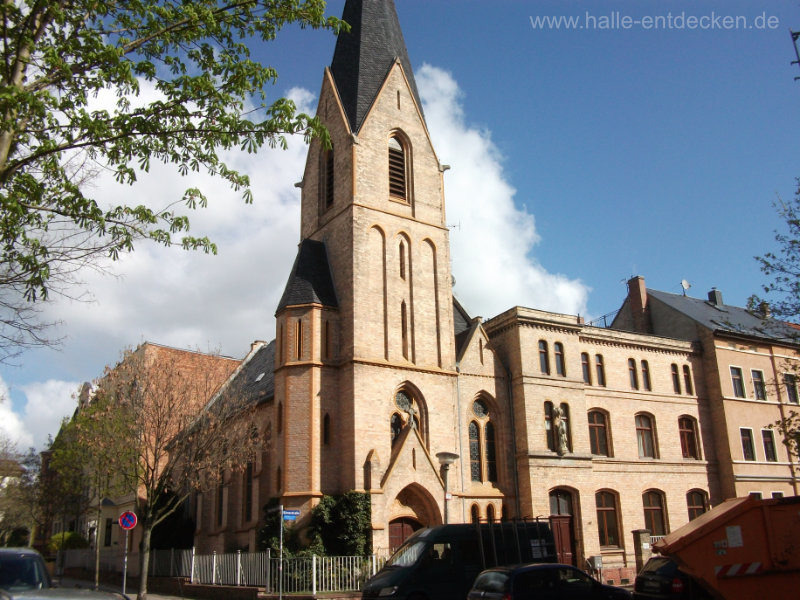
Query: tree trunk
x=97 y=546
x=145 y=564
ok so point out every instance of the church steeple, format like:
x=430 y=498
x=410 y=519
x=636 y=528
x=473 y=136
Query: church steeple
x=364 y=55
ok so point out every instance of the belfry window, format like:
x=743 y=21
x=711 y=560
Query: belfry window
x=397 y=170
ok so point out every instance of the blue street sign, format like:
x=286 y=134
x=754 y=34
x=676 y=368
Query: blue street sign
x=290 y=515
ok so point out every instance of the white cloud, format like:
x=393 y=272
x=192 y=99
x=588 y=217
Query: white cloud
x=47 y=404
x=11 y=425
x=492 y=241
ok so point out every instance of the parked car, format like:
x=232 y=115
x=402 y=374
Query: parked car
x=23 y=575
x=661 y=579
x=542 y=582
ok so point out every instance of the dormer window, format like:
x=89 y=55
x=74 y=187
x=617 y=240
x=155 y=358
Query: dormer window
x=398 y=188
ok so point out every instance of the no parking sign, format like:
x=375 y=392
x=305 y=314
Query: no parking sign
x=127 y=520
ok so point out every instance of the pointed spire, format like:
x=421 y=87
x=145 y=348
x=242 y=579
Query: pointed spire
x=364 y=55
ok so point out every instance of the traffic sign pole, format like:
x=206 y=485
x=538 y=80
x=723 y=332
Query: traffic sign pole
x=127 y=521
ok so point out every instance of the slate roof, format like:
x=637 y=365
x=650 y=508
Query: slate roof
x=363 y=56
x=257 y=376
x=310 y=281
x=462 y=326
x=721 y=318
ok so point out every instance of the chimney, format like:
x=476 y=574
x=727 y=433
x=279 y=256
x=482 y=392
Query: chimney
x=764 y=310
x=637 y=298
x=715 y=297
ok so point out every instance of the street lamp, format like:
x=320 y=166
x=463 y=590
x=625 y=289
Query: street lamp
x=445 y=460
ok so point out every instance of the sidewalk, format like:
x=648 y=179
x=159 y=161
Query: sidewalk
x=69 y=582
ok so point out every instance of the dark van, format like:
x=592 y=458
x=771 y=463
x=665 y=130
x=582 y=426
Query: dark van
x=440 y=563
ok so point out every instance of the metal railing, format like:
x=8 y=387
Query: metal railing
x=312 y=574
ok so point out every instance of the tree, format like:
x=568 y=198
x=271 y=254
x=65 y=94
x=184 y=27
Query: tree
x=783 y=291
x=205 y=94
x=184 y=431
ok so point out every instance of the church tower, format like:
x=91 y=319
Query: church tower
x=365 y=368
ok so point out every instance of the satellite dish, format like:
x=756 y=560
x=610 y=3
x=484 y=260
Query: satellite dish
x=685 y=285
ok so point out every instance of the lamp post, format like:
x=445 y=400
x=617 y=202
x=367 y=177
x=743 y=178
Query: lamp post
x=445 y=460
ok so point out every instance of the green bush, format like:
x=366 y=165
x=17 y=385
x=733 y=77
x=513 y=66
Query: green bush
x=66 y=540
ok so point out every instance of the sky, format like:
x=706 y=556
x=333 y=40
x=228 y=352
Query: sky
x=589 y=141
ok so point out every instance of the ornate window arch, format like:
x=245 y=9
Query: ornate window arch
x=399 y=152
x=482 y=436
x=410 y=410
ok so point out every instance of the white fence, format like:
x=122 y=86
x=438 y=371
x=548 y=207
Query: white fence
x=311 y=574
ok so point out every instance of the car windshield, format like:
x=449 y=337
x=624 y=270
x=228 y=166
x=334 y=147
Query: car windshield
x=406 y=555
x=21 y=572
x=660 y=566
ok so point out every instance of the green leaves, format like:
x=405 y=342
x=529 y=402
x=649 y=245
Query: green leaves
x=193 y=56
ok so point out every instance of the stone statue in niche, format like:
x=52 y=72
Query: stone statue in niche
x=560 y=424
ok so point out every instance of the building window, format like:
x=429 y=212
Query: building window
x=759 y=389
x=475 y=514
x=326 y=180
x=748 y=448
x=398 y=187
x=404 y=328
x=601 y=370
x=402 y=253
x=490 y=513
x=598 y=433
x=491 y=456
x=687 y=380
x=676 y=379
x=395 y=426
x=777 y=494
x=756 y=495
x=645 y=436
x=632 y=374
x=279 y=418
x=107 y=532
x=770 y=453
x=697 y=503
x=790 y=383
x=326 y=429
x=587 y=370
x=548 y=426
x=474 y=451
x=738 y=382
x=299 y=339
x=561 y=367
x=688 y=432
x=646 y=377
x=607 y=522
x=653 y=502
x=544 y=358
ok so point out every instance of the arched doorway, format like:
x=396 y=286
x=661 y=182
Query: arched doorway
x=400 y=529
x=562 y=521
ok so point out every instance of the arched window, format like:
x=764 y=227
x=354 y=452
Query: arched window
x=298 y=339
x=645 y=436
x=278 y=479
x=632 y=373
x=404 y=328
x=607 y=520
x=482 y=449
x=697 y=503
x=561 y=367
x=279 y=419
x=646 y=376
x=654 y=513
x=598 y=433
x=474 y=451
x=326 y=179
x=687 y=380
x=586 y=367
x=544 y=358
x=601 y=370
x=676 y=380
x=326 y=429
x=415 y=412
x=402 y=253
x=475 y=514
x=398 y=175
x=490 y=513
x=687 y=427
x=548 y=426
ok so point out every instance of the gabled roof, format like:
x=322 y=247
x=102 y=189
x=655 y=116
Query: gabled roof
x=310 y=281
x=724 y=319
x=364 y=55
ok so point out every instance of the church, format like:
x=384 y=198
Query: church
x=380 y=381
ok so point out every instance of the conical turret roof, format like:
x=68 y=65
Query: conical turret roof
x=364 y=55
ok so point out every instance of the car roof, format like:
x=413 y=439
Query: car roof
x=30 y=551
x=528 y=567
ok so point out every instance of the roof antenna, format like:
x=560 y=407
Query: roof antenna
x=795 y=36
x=685 y=285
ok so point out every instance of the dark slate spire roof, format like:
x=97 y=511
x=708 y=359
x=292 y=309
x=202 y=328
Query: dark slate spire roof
x=364 y=55
x=310 y=281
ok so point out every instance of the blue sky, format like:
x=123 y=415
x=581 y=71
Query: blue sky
x=580 y=157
